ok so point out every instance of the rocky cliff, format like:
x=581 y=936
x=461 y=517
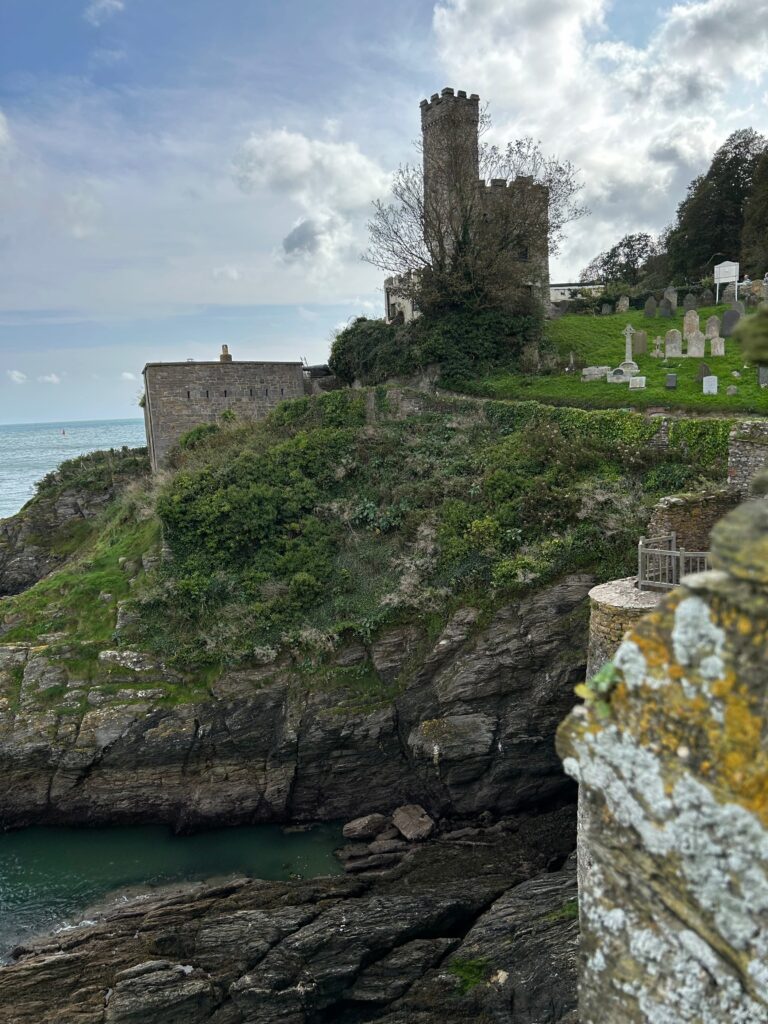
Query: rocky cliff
x=468 y=928
x=471 y=729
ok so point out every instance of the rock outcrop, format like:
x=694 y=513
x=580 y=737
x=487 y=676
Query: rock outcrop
x=472 y=731
x=455 y=935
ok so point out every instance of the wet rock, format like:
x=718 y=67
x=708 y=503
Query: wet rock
x=367 y=827
x=413 y=822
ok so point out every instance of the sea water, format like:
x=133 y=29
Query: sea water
x=30 y=450
x=49 y=876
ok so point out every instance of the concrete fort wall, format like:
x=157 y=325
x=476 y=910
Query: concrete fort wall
x=180 y=396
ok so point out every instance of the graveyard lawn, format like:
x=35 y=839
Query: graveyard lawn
x=598 y=340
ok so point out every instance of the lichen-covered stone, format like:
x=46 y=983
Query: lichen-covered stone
x=674 y=906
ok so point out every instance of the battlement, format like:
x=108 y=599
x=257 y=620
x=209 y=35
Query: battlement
x=441 y=104
x=521 y=181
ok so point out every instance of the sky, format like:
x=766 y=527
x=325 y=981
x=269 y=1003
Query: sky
x=176 y=175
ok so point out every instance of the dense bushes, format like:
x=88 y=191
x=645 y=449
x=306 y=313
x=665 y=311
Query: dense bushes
x=96 y=471
x=463 y=344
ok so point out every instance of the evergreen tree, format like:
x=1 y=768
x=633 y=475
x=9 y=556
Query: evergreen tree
x=754 y=239
x=710 y=219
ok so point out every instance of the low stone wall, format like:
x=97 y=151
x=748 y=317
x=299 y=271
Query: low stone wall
x=691 y=517
x=672 y=767
x=614 y=608
x=747 y=453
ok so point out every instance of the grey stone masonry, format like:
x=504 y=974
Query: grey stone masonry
x=180 y=396
x=747 y=453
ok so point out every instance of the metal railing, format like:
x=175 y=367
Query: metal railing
x=661 y=564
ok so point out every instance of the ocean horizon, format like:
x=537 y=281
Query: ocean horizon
x=29 y=451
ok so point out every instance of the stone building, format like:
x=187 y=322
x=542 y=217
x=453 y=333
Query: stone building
x=512 y=215
x=180 y=396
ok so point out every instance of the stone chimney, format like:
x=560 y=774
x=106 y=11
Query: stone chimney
x=225 y=357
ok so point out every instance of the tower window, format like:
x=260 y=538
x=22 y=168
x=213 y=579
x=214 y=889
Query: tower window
x=266 y=392
x=281 y=391
x=250 y=391
x=225 y=392
x=189 y=395
x=206 y=394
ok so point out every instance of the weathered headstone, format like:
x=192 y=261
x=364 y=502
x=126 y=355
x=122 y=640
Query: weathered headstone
x=636 y=383
x=730 y=318
x=713 y=327
x=740 y=306
x=717 y=346
x=707 y=297
x=628 y=332
x=689 y=302
x=623 y=304
x=762 y=376
x=639 y=343
x=590 y=373
x=673 y=345
x=671 y=382
x=670 y=294
x=617 y=376
x=690 y=323
x=709 y=386
x=696 y=345
x=649 y=309
x=729 y=293
x=606 y=309
x=666 y=308
x=703 y=371
x=731 y=390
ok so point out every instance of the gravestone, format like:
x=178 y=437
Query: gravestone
x=658 y=348
x=590 y=373
x=703 y=371
x=739 y=305
x=731 y=390
x=606 y=309
x=665 y=308
x=670 y=294
x=729 y=293
x=707 y=297
x=639 y=343
x=636 y=383
x=762 y=376
x=736 y=374
x=717 y=346
x=709 y=386
x=623 y=304
x=649 y=309
x=689 y=302
x=730 y=318
x=713 y=327
x=617 y=376
x=690 y=323
x=673 y=345
x=671 y=382
x=629 y=364
x=696 y=345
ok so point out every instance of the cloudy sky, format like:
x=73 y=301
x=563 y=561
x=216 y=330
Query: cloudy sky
x=178 y=174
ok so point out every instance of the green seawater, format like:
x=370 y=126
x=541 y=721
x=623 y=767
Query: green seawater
x=48 y=876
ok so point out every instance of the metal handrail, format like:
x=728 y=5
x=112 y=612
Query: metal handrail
x=661 y=564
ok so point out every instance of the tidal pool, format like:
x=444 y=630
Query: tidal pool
x=48 y=876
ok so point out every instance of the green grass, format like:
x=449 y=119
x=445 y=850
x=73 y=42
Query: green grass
x=568 y=912
x=598 y=341
x=470 y=973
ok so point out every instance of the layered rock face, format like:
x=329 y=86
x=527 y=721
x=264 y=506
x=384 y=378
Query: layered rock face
x=456 y=934
x=674 y=904
x=471 y=731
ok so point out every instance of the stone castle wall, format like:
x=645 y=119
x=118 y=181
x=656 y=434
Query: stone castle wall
x=691 y=517
x=673 y=782
x=180 y=396
x=747 y=453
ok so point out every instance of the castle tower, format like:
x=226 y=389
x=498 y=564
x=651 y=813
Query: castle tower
x=449 y=129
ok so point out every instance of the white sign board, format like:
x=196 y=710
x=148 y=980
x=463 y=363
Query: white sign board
x=725 y=273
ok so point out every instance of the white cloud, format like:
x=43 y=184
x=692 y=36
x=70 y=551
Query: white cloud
x=17 y=376
x=641 y=121
x=5 y=132
x=99 y=10
x=50 y=378
x=227 y=273
x=332 y=182
x=125 y=375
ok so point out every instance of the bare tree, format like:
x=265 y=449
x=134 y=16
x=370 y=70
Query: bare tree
x=476 y=223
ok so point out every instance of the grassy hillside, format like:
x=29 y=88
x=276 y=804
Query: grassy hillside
x=346 y=513
x=598 y=341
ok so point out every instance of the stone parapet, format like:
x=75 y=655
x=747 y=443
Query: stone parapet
x=691 y=517
x=614 y=608
x=747 y=453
